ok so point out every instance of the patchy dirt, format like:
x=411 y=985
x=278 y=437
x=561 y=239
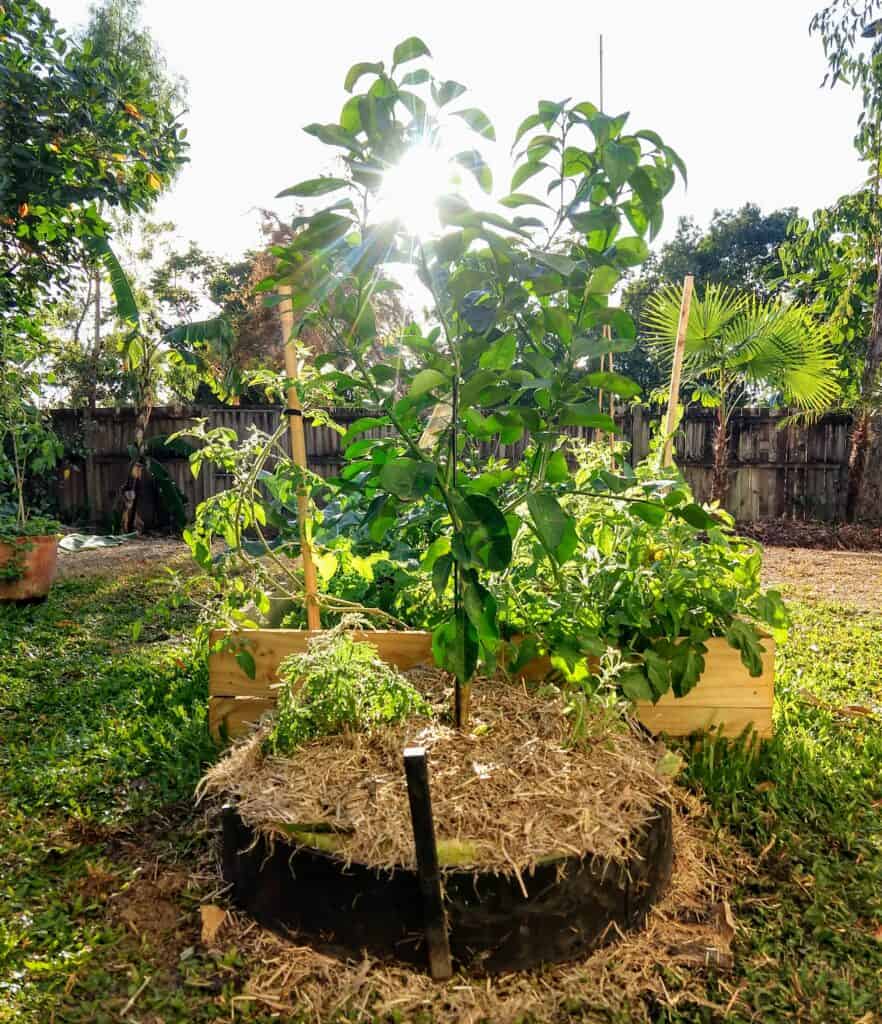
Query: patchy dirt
x=844 y=577
x=792 y=533
x=141 y=554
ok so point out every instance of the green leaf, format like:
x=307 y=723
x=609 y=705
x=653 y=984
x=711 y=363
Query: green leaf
x=587 y=414
x=555 y=527
x=124 y=297
x=745 y=638
x=696 y=516
x=447 y=91
x=485 y=532
x=648 y=511
x=557 y=321
x=410 y=49
x=480 y=606
x=635 y=685
x=619 y=161
x=360 y=425
x=530 y=122
x=478 y=121
x=408 y=479
x=558 y=468
x=631 y=251
x=439 y=546
x=618 y=384
x=472 y=160
x=418 y=77
x=605 y=218
x=426 y=380
x=245 y=660
x=441 y=573
x=559 y=264
x=356 y=72
x=524 y=173
x=455 y=647
x=517 y=199
x=314 y=187
x=334 y=135
x=500 y=354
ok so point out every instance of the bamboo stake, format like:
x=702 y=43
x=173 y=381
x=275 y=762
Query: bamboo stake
x=676 y=370
x=298 y=452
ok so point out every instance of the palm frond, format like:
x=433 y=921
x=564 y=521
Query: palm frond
x=709 y=316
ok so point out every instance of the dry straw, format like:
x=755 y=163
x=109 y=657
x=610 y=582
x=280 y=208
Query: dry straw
x=688 y=933
x=509 y=793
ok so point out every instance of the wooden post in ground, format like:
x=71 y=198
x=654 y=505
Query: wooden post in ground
x=298 y=453
x=416 y=770
x=676 y=370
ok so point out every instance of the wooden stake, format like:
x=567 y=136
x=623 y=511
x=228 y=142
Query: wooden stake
x=298 y=452
x=416 y=770
x=677 y=369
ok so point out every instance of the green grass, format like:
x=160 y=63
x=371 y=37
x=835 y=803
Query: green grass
x=102 y=740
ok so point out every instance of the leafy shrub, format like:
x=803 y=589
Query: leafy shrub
x=339 y=685
x=654 y=589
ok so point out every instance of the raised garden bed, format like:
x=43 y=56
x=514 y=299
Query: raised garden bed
x=727 y=696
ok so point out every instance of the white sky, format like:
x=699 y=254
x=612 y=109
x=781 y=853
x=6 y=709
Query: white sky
x=734 y=87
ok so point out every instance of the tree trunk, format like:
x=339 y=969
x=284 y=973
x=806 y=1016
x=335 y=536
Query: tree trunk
x=92 y=496
x=720 y=472
x=130 y=520
x=864 y=502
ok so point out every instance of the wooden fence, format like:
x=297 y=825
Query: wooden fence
x=794 y=471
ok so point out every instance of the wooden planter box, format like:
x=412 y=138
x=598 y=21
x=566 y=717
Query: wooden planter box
x=727 y=696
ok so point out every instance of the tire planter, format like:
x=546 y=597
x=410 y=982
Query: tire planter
x=38 y=557
x=571 y=907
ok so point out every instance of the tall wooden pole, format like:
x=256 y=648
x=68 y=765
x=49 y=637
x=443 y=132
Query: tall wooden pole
x=298 y=452
x=677 y=369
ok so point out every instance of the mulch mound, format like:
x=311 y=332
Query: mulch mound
x=512 y=791
x=827 y=536
x=688 y=932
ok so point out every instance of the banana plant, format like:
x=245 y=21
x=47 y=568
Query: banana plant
x=203 y=345
x=738 y=348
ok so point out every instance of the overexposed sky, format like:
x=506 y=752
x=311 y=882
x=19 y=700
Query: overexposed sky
x=733 y=87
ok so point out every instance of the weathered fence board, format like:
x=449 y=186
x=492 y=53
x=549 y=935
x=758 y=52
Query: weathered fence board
x=795 y=471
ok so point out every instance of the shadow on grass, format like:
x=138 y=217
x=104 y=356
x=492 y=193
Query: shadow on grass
x=91 y=721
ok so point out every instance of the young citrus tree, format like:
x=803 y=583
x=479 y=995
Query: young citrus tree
x=516 y=307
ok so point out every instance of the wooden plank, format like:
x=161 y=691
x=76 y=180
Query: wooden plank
x=269 y=646
x=419 y=796
x=684 y=721
x=726 y=694
x=236 y=716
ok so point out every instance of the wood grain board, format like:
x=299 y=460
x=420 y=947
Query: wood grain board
x=726 y=696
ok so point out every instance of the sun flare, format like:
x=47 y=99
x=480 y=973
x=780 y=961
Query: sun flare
x=411 y=189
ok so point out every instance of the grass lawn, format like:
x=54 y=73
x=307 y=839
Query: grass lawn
x=102 y=739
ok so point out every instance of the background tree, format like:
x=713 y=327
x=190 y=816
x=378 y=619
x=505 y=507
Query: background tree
x=81 y=132
x=837 y=257
x=739 y=249
x=737 y=347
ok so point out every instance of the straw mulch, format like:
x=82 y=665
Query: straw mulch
x=513 y=790
x=689 y=932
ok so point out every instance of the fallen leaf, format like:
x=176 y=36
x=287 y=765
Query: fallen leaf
x=213 y=918
x=130 y=108
x=765 y=787
x=23 y=209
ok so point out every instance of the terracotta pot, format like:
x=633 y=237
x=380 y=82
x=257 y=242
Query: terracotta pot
x=39 y=558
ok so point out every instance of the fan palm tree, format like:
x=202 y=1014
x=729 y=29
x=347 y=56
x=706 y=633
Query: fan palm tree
x=738 y=347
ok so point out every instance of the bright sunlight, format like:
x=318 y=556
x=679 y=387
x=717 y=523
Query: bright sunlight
x=412 y=187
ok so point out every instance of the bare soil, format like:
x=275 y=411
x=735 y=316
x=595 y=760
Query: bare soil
x=141 y=554
x=843 y=577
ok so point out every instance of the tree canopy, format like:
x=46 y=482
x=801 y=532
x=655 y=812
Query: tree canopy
x=80 y=134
